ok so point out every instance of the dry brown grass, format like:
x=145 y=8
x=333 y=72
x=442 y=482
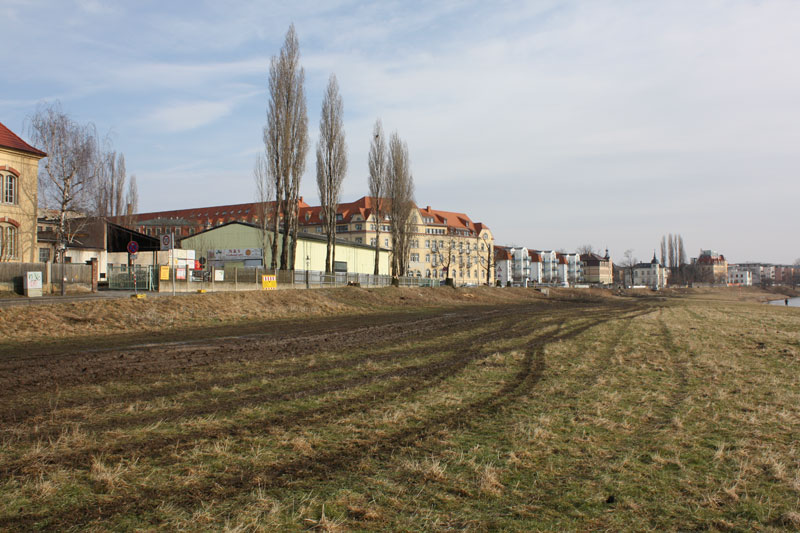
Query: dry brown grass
x=121 y=316
x=613 y=414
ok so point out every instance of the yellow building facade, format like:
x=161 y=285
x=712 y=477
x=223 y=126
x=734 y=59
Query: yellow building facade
x=19 y=170
x=310 y=254
x=443 y=244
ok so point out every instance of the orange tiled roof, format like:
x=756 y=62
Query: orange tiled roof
x=501 y=253
x=535 y=256
x=364 y=206
x=202 y=214
x=9 y=139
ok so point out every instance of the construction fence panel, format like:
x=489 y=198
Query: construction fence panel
x=139 y=277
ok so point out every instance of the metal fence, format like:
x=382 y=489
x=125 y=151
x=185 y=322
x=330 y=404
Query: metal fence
x=249 y=278
x=139 y=277
x=314 y=279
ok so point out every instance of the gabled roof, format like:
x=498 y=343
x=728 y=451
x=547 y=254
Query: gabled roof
x=501 y=253
x=364 y=206
x=228 y=212
x=593 y=257
x=451 y=219
x=300 y=235
x=536 y=257
x=9 y=139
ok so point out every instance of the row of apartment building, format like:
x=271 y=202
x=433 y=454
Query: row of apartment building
x=519 y=266
x=746 y=274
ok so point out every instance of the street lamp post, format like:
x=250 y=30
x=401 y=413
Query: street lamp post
x=308 y=267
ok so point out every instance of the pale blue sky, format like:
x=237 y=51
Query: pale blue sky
x=556 y=123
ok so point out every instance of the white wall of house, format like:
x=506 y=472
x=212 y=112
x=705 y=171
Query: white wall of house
x=502 y=271
x=536 y=271
x=651 y=275
x=561 y=272
x=549 y=266
x=740 y=276
x=520 y=266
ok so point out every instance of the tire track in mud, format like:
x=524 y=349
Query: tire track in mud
x=258 y=351
x=71 y=368
x=16 y=412
x=414 y=378
x=680 y=366
x=342 y=457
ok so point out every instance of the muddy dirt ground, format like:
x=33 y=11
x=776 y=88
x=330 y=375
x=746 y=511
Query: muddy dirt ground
x=374 y=359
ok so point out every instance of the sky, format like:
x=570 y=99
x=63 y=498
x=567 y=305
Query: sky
x=556 y=123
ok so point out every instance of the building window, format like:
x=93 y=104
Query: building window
x=8 y=242
x=359 y=240
x=372 y=241
x=358 y=227
x=415 y=258
x=386 y=243
x=44 y=255
x=8 y=183
x=341 y=228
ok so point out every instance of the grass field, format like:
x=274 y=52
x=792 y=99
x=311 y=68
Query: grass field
x=519 y=413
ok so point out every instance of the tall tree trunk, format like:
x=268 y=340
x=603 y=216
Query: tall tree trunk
x=377 y=249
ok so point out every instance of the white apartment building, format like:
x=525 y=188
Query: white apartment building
x=739 y=276
x=513 y=266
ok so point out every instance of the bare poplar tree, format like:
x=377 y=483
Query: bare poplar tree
x=671 y=251
x=264 y=207
x=286 y=142
x=331 y=163
x=400 y=192
x=681 y=252
x=119 y=177
x=109 y=190
x=663 y=251
x=131 y=203
x=377 y=184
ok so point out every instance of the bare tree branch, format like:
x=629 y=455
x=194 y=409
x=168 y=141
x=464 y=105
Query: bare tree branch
x=377 y=184
x=331 y=163
x=286 y=142
x=400 y=191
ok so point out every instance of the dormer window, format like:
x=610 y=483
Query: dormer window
x=338 y=217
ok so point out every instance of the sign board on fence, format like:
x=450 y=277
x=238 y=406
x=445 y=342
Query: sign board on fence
x=268 y=282
x=167 y=241
x=180 y=273
x=163 y=274
x=235 y=254
x=33 y=284
x=219 y=275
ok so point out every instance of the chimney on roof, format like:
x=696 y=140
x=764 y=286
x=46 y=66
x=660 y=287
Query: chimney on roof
x=428 y=208
x=301 y=198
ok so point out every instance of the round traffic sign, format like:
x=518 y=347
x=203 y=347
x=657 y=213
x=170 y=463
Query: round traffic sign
x=133 y=247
